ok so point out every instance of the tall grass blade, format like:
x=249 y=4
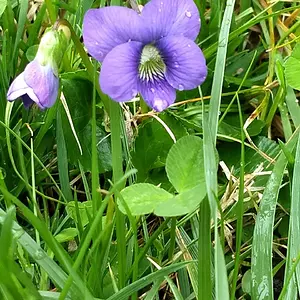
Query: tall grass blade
x=294 y=231
x=261 y=269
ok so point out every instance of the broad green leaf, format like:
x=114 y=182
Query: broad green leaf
x=143 y=198
x=292 y=68
x=184 y=165
x=153 y=143
x=78 y=93
x=246 y=282
x=238 y=64
x=66 y=235
x=31 y=52
x=183 y=203
x=84 y=208
x=230 y=153
x=103 y=148
x=230 y=126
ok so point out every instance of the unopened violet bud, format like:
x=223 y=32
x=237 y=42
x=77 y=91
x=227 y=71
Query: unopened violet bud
x=39 y=82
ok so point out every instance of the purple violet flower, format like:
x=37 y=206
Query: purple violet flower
x=37 y=84
x=152 y=53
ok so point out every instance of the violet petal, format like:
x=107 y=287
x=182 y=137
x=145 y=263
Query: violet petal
x=185 y=64
x=170 y=17
x=43 y=82
x=27 y=101
x=157 y=94
x=119 y=72
x=19 y=88
x=108 y=27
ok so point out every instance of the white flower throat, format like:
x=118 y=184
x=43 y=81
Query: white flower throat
x=152 y=66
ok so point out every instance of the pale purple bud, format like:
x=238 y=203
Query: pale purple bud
x=36 y=84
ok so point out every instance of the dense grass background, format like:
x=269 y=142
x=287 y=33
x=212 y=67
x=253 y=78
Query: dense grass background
x=62 y=234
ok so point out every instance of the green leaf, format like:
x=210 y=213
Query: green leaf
x=183 y=203
x=84 y=208
x=66 y=235
x=31 y=52
x=153 y=143
x=78 y=93
x=261 y=269
x=103 y=148
x=51 y=295
x=185 y=163
x=292 y=68
x=293 y=107
x=145 y=198
x=230 y=126
x=246 y=282
x=294 y=231
x=230 y=153
x=185 y=171
x=142 y=198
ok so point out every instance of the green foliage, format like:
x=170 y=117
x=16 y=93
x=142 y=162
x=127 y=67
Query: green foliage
x=184 y=166
x=78 y=94
x=292 y=68
x=153 y=143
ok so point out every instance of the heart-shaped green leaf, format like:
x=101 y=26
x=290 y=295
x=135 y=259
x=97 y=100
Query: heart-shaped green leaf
x=182 y=203
x=185 y=163
x=292 y=68
x=142 y=198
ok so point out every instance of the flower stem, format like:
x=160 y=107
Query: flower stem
x=172 y=238
x=96 y=196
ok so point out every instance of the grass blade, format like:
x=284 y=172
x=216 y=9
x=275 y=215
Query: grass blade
x=294 y=230
x=62 y=158
x=216 y=91
x=53 y=270
x=204 y=252
x=261 y=270
x=141 y=283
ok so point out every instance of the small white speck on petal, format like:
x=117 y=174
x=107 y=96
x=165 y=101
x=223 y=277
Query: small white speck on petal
x=180 y=87
x=160 y=104
x=188 y=13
